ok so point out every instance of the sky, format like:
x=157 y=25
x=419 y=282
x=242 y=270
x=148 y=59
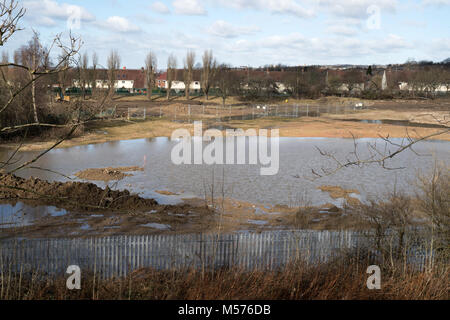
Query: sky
x=247 y=32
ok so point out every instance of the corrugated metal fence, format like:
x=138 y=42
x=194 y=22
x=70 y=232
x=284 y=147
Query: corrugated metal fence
x=118 y=255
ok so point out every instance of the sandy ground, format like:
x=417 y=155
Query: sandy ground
x=107 y=174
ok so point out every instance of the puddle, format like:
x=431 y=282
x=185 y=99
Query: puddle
x=258 y=222
x=259 y=211
x=21 y=215
x=85 y=226
x=176 y=214
x=112 y=227
x=158 y=226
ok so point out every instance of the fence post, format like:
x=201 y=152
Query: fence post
x=128 y=113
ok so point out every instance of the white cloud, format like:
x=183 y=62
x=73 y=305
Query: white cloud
x=160 y=7
x=291 y=7
x=189 y=7
x=224 y=29
x=297 y=49
x=342 y=30
x=436 y=2
x=45 y=12
x=118 y=24
x=344 y=26
x=356 y=8
x=391 y=43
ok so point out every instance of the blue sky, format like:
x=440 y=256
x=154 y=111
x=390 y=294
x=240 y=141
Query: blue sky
x=249 y=32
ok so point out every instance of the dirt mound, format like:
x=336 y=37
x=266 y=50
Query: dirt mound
x=70 y=194
x=337 y=192
x=107 y=174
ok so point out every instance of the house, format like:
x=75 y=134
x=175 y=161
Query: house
x=439 y=88
x=177 y=84
x=129 y=79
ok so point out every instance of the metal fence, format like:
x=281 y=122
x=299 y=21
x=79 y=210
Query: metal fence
x=119 y=255
x=228 y=112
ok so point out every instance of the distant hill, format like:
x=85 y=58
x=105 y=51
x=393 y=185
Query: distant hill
x=446 y=60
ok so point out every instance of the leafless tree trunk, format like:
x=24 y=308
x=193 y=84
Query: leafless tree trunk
x=225 y=82
x=150 y=71
x=171 y=69
x=208 y=72
x=188 y=72
x=84 y=74
x=93 y=74
x=113 y=66
x=33 y=90
x=34 y=58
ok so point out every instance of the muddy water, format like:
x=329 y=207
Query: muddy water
x=20 y=215
x=291 y=186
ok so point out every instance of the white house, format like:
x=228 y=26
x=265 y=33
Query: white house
x=177 y=85
x=180 y=86
x=404 y=86
x=103 y=84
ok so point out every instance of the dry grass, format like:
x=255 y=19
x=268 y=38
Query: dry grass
x=343 y=279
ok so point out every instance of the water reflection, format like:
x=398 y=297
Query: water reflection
x=289 y=187
x=21 y=215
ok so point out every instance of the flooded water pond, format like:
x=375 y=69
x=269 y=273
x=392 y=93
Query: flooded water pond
x=290 y=186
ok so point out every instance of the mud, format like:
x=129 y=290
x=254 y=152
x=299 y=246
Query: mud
x=107 y=174
x=70 y=195
x=93 y=211
x=166 y=193
x=337 y=192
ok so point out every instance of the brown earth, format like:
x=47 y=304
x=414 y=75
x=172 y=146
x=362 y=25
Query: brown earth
x=337 y=192
x=344 y=125
x=111 y=212
x=107 y=174
x=71 y=195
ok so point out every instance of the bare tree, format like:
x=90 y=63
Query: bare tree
x=188 y=71
x=35 y=57
x=379 y=155
x=10 y=14
x=226 y=82
x=93 y=73
x=208 y=72
x=64 y=75
x=83 y=68
x=150 y=72
x=5 y=57
x=171 y=70
x=113 y=65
